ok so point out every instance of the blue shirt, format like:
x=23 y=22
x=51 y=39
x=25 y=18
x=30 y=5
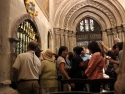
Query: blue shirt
x=86 y=57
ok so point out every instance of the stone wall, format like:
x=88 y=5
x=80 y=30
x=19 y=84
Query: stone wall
x=10 y=12
x=5 y=65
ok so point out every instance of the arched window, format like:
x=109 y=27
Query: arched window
x=88 y=24
x=88 y=30
x=26 y=33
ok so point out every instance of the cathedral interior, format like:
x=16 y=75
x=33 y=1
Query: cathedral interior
x=55 y=23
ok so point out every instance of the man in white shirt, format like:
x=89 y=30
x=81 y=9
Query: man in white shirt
x=27 y=68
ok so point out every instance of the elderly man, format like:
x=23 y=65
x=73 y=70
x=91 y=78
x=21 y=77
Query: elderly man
x=116 y=40
x=27 y=68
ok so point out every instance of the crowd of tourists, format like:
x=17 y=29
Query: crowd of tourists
x=40 y=72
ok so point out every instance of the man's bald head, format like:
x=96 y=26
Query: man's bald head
x=33 y=45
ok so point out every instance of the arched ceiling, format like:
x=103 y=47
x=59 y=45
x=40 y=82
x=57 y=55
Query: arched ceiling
x=108 y=13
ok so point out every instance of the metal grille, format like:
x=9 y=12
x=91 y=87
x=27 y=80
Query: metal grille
x=26 y=33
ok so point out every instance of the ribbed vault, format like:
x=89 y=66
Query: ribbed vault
x=108 y=13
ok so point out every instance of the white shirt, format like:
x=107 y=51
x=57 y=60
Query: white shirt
x=29 y=65
x=60 y=60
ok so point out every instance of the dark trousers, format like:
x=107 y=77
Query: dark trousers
x=95 y=87
x=78 y=87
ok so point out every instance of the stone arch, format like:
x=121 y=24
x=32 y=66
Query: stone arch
x=67 y=11
x=100 y=19
x=60 y=8
x=97 y=7
x=19 y=20
x=96 y=18
x=116 y=8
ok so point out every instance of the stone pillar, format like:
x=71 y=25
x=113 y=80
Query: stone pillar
x=62 y=37
x=70 y=41
x=57 y=39
x=123 y=31
x=54 y=40
x=66 y=41
x=114 y=32
x=74 y=39
x=5 y=53
x=119 y=30
x=105 y=37
x=109 y=37
x=113 y=35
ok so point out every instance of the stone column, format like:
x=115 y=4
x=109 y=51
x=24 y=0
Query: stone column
x=109 y=37
x=57 y=39
x=5 y=52
x=66 y=41
x=114 y=32
x=74 y=39
x=105 y=37
x=113 y=35
x=119 y=30
x=62 y=37
x=54 y=40
x=123 y=31
x=70 y=41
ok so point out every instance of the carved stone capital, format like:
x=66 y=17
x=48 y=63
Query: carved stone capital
x=119 y=28
x=109 y=32
x=56 y=31
x=123 y=27
x=66 y=32
x=113 y=30
x=62 y=32
x=73 y=34
x=104 y=32
x=70 y=33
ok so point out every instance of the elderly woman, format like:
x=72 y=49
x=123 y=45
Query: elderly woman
x=48 y=78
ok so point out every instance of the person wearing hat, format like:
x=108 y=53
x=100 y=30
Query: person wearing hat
x=48 y=78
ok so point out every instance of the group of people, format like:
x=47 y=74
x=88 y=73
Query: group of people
x=42 y=76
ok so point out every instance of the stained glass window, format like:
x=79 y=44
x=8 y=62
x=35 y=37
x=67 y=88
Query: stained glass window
x=26 y=33
x=82 y=26
x=87 y=24
x=88 y=30
x=91 y=25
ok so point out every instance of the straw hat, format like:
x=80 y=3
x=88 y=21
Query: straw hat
x=48 y=55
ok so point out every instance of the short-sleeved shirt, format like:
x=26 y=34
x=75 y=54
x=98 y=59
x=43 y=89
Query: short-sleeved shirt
x=61 y=60
x=29 y=65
